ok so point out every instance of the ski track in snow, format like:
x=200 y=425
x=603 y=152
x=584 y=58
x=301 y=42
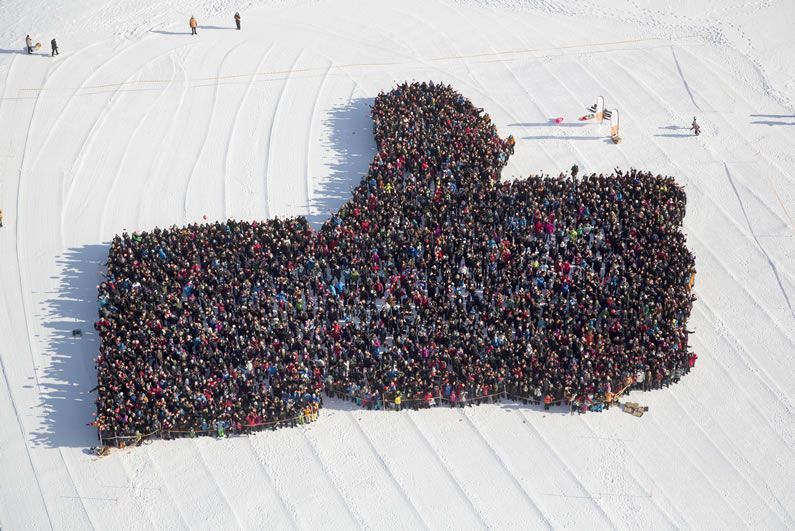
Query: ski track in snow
x=91 y=146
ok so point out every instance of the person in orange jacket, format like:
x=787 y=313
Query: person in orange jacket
x=547 y=401
x=193 y=25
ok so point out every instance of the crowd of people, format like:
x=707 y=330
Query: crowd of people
x=436 y=282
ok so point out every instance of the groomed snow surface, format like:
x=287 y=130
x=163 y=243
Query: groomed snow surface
x=138 y=124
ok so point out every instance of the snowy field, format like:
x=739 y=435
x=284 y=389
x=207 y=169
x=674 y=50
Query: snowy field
x=138 y=124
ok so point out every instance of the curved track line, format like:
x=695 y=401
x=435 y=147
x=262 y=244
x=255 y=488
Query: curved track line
x=19 y=248
x=54 y=125
x=447 y=469
x=206 y=135
x=127 y=147
x=88 y=140
x=388 y=470
x=310 y=129
x=268 y=152
x=229 y=143
x=288 y=510
x=509 y=472
x=159 y=158
x=8 y=76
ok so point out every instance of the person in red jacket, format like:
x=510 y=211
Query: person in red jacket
x=692 y=359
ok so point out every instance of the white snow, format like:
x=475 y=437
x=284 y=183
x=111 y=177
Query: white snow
x=138 y=124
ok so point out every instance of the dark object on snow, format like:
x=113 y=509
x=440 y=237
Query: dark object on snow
x=575 y=170
x=633 y=408
x=77 y=333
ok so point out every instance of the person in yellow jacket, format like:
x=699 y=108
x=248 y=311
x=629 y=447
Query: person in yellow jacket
x=398 y=399
x=193 y=23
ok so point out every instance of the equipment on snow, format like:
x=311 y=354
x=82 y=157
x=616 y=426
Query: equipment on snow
x=614 y=126
x=635 y=409
x=587 y=117
x=597 y=109
x=558 y=120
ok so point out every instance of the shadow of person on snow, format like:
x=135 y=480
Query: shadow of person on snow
x=67 y=382
x=352 y=146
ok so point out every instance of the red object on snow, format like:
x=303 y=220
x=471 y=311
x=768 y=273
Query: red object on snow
x=586 y=117
x=558 y=120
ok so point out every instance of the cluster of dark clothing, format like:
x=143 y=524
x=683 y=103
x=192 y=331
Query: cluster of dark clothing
x=436 y=279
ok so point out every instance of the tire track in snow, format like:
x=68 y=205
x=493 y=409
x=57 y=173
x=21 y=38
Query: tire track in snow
x=269 y=151
x=19 y=248
x=216 y=486
x=289 y=510
x=388 y=470
x=127 y=148
x=777 y=395
x=767 y=379
x=705 y=475
x=163 y=146
x=509 y=472
x=764 y=498
x=445 y=465
x=206 y=135
x=88 y=141
x=681 y=517
x=565 y=465
x=229 y=143
x=169 y=490
x=77 y=489
x=344 y=497
x=309 y=137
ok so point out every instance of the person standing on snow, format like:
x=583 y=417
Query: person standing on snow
x=29 y=44
x=695 y=127
x=54 y=46
x=237 y=20
x=193 y=25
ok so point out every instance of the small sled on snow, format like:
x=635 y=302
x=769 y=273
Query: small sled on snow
x=633 y=408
